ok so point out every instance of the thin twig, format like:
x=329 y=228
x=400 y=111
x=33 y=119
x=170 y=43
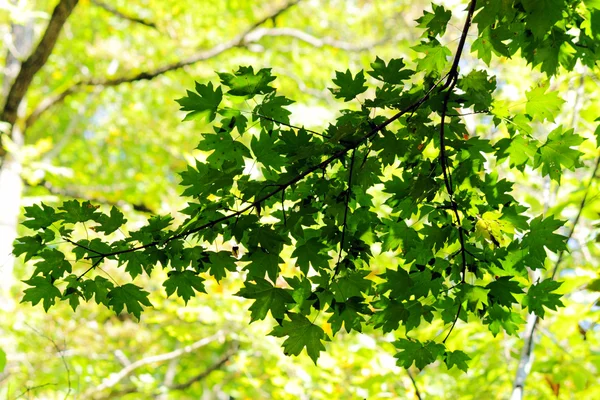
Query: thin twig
x=414 y=383
x=321 y=166
x=346 y=207
x=60 y=354
x=449 y=87
x=120 y=14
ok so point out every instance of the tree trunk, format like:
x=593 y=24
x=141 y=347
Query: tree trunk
x=11 y=184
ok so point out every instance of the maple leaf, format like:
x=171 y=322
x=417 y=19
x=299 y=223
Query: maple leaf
x=267 y=298
x=244 y=82
x=499 y=318
x=40 y=216
x=53 y=264
x=224 y=149
x=435 y=22
x=110 y=223
x=521 y=149
x=301 y=333
x=130 y=296
x=42 y=290
x=28 y=245
x=272 y=107
x=203 y=103
x=457 y=358
x=502 y=289
x=557 y=153
x=392 y=73
x=540 y=295
x=541 y=236
x=262 y=262
x=219 y=262
x=421 y=354
x=184 y=282
x=309 y=253
x=349 y=87
x=542 y=15
x=541 y=105
x=436 y=57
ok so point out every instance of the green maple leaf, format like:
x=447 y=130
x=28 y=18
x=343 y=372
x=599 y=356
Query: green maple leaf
x=110 y=223
x=262 y=262
x=273 y=107
x=135 y=262
x=475 y=296
x=502 y=289
x=28 y=245
x=203 y=103
x=301 y=333
x=540 y=295
x=349 y=314
x=99 y=288
x=266 y=153
x=541 y=105
x=557 y=153
x=421 y=354
x=310 y=253
x=390 y=314
x=75 y=211
x=349 y=87
x=203 y=181
x=435 y=22
x=478 y=89
x=393 y=73
x=130 y=296
x=224 y=149
x=499 y=318
x=40 y=217
x=219 y=262
x=244 y=82
x=267 y=298
x=436 y=57
x=352 y=284
x=542 y=15
x=184 y=282
x=398 y=282
x=541 y=236
x=42 y=290
x=521 y=149
x=457 y=358
x=53 y=264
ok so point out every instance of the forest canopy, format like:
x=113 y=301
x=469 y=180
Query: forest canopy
x=437 y=207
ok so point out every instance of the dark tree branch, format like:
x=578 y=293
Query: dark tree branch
x=321 y=166
x=250 y=35
x=36 y=60
x=449 y=87
x=66 y=192
x=346 y=207
x=202 y=375
x=119 y=14
x=238 y=41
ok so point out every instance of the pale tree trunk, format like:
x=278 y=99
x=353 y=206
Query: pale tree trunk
x=18 y=78
x=11 y=184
